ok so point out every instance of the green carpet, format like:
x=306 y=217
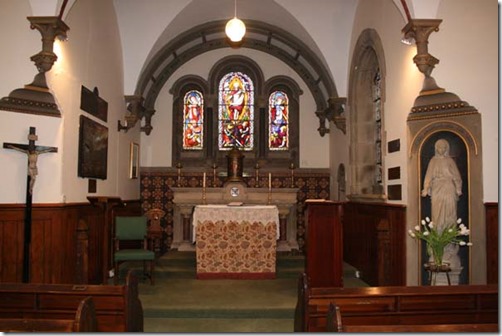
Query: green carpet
x=178 y=302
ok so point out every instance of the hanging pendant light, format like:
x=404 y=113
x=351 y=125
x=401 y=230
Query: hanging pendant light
x=235 y=28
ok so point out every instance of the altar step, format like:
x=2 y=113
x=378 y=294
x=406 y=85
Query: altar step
x=178 y=302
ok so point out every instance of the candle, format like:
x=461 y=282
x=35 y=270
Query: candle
x=204 y=180
x=270 y=181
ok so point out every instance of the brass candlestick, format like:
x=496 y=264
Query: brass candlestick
x=179 y=166
x=214 y=166
x=269 y=188
x=204 y=188
x=292 y=168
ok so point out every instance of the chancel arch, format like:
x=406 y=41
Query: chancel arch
x=366 y=100
x=260 y=36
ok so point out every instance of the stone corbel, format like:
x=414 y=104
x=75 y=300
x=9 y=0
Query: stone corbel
x=420 y=30
x=35 y=98
x=147 y=127
x=136 y=112
x=336 y=112
x=322 y=122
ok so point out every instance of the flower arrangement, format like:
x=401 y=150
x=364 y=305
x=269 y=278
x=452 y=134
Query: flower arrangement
x=437 y=240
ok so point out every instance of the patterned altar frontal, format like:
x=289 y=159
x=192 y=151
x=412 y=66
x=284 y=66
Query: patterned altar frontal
x=236 y=242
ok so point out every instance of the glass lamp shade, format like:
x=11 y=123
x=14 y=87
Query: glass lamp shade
x=235 y=29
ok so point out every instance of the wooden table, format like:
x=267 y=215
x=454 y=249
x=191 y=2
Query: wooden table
x=236 y=242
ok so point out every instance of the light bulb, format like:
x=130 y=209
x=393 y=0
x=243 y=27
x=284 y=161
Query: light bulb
x=235 y=29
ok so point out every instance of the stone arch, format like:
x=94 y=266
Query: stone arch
x=261 y=36
x=366 y=135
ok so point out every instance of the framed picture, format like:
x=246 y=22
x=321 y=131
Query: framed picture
x=134 y=161
x=92 y=149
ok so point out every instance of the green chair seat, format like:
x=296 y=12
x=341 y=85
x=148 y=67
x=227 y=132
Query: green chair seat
x=132 y=228
x=134 y=254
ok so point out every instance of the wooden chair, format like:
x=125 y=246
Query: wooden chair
x=132 y=228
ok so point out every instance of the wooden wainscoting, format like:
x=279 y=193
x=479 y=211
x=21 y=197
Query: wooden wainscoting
x=374 y=237
x=67 y=243
x=492 y=242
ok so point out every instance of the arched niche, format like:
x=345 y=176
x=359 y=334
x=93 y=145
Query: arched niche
x=463 y=132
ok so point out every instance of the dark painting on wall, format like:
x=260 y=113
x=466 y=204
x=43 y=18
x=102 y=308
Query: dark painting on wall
x=92 y=149
x=92 y=103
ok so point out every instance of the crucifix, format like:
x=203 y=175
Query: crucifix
x=33 y=152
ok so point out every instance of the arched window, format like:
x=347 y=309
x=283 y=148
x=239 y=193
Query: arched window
x=278 y=116
x=377 y=108
x=367 y=94
x=236 y=112
x=193 y=121
x=235 y=106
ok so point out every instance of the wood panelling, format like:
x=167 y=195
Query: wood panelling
x=492 y=242
x=53 y=253
x=324 y=243
x=374 y=238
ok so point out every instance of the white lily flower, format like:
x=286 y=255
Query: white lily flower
x=427 y=219
x=423 y=222
x=431 y=225
x=417 y=228
x=426 y=233
x=469 y=244
x=450 y=230
x=413 y=235
x=459 y=220
x=461 y=243
x=461 y=226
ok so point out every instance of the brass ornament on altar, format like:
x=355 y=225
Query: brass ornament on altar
x=235 y=165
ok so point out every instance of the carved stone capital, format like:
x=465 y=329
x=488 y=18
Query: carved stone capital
x=420 y=30
x=336 y=111
x=135 y=108
x=49 y=27
x=36 y=98
x=322 y=122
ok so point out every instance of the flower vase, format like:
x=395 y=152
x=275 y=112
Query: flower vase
x=434 y=269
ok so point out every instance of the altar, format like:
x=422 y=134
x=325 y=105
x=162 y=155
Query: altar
x=186 y=199
x=235 y=242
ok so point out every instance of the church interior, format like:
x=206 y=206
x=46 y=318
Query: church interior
x=344 y=133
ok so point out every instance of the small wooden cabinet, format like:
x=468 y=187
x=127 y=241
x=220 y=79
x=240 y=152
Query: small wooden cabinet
x=323 y=250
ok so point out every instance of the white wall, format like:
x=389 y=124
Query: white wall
x=91 y=57
x=157 y=147
x=468 y=50
x=468 y=67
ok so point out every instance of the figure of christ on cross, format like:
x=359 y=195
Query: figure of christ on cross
x=33 y=152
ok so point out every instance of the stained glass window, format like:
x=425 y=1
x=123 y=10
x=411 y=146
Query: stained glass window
x=278 y=116
x=236 y=112
x=377 y=103
x=193 y=121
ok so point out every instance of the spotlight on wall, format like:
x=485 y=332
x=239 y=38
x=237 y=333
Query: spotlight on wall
x=408 y=40
x=235 y=28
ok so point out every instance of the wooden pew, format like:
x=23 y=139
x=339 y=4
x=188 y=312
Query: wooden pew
x=118 y=308
x=84 y=321
x=334 y=324
x=397 y=305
